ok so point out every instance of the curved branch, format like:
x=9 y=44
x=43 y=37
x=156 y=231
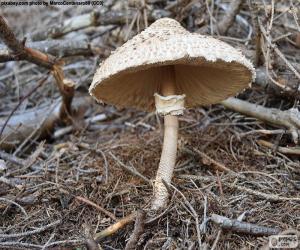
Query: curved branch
x=289 y=118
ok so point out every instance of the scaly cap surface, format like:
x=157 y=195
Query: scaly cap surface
x=207 y=70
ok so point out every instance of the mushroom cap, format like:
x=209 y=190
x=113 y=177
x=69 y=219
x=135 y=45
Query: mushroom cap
x=207 y=70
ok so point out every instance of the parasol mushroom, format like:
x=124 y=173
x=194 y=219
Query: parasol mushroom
x=166 y=68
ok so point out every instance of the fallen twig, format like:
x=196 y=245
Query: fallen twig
x=243 y=227
x=58 y=48
x=10 y=183
x=109 y=214
x=41 y=119
x=40 y=83
x=115 y=227
x=33 y=157
x=257 y=32
x=63 y=131
x=288 y=118
x=271 y=197
x=38 y=230
x=18 y=245
x=23 y=245
x=21 y=52
x=193 y=213
x=138 y=230
x=284 y=150
x=130 y=169
x=216 y=165
x=16 y=204
x=281 y=55
x=216 y=240
x=66 y=243
x=12 y=159
x=229 y=17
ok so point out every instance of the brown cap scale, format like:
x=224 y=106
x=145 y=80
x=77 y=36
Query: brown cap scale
x=166 y=68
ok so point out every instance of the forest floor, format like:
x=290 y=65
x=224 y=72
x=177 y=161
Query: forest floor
x=58 y=191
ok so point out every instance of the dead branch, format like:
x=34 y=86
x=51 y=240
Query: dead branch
x=109 y=214
x=40 y=83
x=263 y=80
x=218 y=166
x=268 y=38
x=283 y=150
x=21 y=51
x=130 y=170
x=216 y=240
x=257 y=32
x=92 y=245
x=35 y=231
x=242 y=227
x=193 y=213
x=229 y=17
x=138 y=230
x=63 y=131
x=23 y=245
x=57 y=48
x=12 y=159
x=61 y=243
x=19 y=245
x=42 y=120
x=66 y=87
x=288 y=118
x=115 y=227
x=270 y=197
x=16 y=204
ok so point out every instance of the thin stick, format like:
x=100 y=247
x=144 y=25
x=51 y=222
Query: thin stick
x=16 y=204
x=130 y=169
x=109 y=214
x=138 y=230
x=216 y=240
x=283 y=150
x=59 y=48
x=257 y=32
x=115 y=227
x=17 y=245
x=288 y=118
x=219 y=166
x=39 y=58
x=12 y=159
x=105 y=165
x=278 y=52
x=229 y=17
x=40 y=83
x=22 y=52
x=243 y=227
x=271 y=197
x=41 y=229
x=11 y=183
x=48 y=241
x=195 y=215
x=66 y=242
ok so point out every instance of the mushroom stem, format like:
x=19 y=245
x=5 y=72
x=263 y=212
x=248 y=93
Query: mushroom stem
x=168 y=155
